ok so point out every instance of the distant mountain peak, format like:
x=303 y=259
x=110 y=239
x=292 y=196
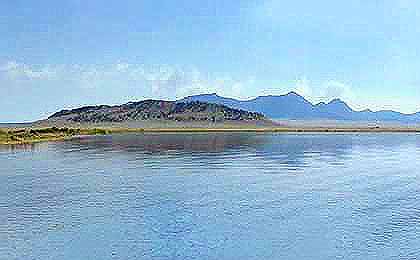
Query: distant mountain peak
x=338 y=105
x=336 y=101
x=321 y=104
x=204 y=95
x=293 y=94
x=367 y=111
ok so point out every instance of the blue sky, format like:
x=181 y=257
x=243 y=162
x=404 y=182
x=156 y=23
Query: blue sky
x=64 y=54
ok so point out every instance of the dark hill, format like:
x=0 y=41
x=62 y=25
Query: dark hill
x=155 y=110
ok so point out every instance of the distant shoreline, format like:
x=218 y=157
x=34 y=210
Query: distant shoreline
x=28 y=135
x=272 y=130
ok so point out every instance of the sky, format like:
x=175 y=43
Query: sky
x=69 y=53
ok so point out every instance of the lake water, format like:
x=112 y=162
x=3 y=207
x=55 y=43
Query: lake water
x=212 y=196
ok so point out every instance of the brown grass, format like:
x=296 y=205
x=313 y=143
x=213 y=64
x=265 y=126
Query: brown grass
x=32 y=135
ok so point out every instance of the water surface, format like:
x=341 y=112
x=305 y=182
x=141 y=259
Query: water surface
x=212 y=196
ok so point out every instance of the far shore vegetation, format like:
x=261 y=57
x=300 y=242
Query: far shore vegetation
x=9 y=136
x=29 y=135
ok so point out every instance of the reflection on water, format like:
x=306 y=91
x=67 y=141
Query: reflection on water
x=212 y=196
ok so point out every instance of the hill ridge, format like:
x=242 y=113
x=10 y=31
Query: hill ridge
x=152 y=109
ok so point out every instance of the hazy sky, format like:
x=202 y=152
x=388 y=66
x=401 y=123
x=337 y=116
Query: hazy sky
x=67 y=53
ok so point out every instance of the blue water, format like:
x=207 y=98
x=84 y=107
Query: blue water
x=212 y=196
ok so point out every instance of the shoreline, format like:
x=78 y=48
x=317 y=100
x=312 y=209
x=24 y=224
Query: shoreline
x=48 y=134
x=276 y=130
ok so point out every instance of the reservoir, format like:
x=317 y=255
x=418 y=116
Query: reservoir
x=212 y=196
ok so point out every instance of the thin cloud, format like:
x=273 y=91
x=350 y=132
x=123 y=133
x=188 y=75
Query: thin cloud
x=325 y=91
x=137 y=81
x=23 y=71
x=167 y=82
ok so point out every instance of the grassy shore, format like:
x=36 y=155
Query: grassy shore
x=33 y=135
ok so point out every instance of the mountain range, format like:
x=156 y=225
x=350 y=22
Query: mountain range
x=295 y=107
